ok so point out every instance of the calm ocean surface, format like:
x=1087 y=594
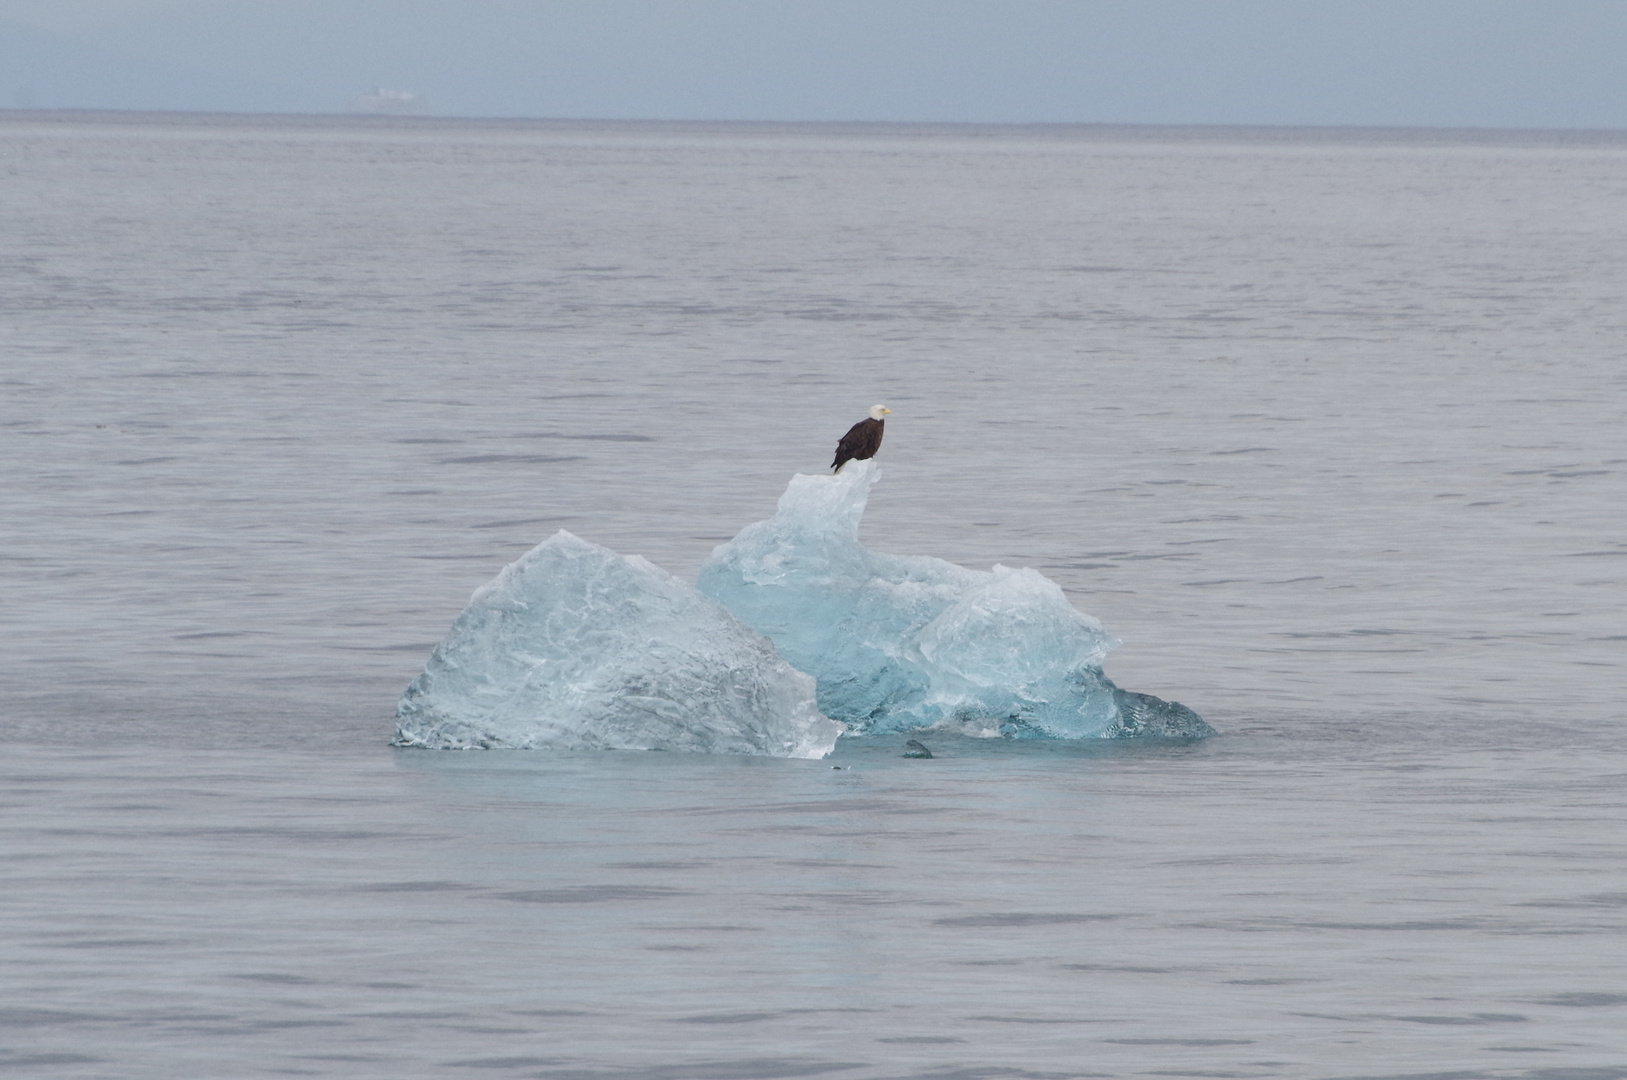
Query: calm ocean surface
x=1328 y=426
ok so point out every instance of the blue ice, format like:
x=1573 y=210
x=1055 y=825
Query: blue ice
x=899 y=642
x=576 y=647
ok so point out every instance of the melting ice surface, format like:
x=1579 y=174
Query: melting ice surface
x=899 y=642
x=576 y=647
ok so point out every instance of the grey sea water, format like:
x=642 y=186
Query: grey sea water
x=1326 y=425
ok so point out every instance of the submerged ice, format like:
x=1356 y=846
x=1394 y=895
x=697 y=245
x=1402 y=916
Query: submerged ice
x=899 y=642
x=576 y=647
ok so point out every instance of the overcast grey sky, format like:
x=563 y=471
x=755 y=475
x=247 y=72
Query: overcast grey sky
x=1475 y=63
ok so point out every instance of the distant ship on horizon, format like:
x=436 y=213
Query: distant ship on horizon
x=390 y=102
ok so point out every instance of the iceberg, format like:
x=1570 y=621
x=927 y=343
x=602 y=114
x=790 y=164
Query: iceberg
x=576 y=647
x=899 y=642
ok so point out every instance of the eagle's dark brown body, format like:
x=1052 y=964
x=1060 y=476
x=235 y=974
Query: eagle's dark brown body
x=860 y=443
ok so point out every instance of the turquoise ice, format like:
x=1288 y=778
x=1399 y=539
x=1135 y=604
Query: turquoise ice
x=899 y=642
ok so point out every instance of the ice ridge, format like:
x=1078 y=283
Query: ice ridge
x=899 y=642
x=574 y=646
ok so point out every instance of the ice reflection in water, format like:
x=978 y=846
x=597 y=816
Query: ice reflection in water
x=1005 y=907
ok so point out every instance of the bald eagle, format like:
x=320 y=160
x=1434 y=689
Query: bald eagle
x=862 y=439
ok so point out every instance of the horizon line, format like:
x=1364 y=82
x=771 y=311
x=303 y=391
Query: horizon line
x=386 y=119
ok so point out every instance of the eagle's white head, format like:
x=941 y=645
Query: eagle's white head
x=878 y=411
